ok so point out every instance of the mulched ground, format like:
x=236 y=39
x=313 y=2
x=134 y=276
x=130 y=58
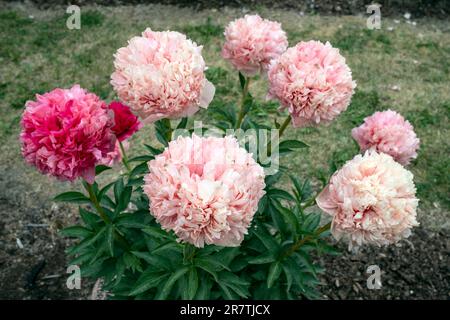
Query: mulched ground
x=416 y=269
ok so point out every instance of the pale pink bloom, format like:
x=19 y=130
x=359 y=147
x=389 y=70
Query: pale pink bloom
x=312 y=81
x=372 y=200
x=205 y=189
x=390 y=133
x=252 y=42
x=66 y=132
x=161 y=75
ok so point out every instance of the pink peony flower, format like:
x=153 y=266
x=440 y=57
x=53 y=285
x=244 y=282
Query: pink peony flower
x=161 y=75
x=372 y=200
x=205 y=189
x=125 y=123
x=252 y=42
x=66 y=132
x=390 y=133
x=312 y=81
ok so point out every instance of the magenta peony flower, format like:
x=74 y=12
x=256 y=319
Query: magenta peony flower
x=312 y=81
x=252 y=42
x=205 y=189
x=66 y=132
x=125 y=122
x=390 y=133
x=372 y=200
x=161 y=75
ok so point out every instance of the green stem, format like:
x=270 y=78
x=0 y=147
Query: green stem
x=123 y=242
x=242 y=111
x=284 y=125
x=124 y=157
x=301 y=242
x=95 y=202
x=280 y=133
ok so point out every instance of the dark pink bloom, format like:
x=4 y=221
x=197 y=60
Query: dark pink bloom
x=66 y=132
x=125 y=122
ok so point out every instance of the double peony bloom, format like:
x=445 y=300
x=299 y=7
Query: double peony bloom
x=251 y=43
x=161 y=75
x=207 y=190
x=372 y=200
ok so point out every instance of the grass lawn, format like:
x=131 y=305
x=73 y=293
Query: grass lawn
x=403 y=66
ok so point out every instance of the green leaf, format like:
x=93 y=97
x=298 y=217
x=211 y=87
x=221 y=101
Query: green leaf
x=131 y=261
x=242 y=80
x=145 y=158
x=274 y=273
x=118 y=189
x=104 y=190
x=208 y=267
x=182 y=124
x=288 y=145
x=110 y=239
x=147 y=281
x=132 y=220
x=72 y=196
x=76 y=232
x=266 y=257
x=86 y=242
x=171 y=245
x=192 y=283
x=267 y=240
x=165 y=291
x=156 y=232
x=156 y=261
x=280 y=194
x=289 y=217
x=124 y=199
x=289 y=277
x=100 y=168
x=153 y=150
x=90 y=219
x=139 y=169
x=311 y=222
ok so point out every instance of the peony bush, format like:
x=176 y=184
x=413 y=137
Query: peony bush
x=210 y=213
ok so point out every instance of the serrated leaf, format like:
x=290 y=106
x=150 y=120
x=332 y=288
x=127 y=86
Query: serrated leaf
x=274 y=273
x=165 y=291
x=72 y=196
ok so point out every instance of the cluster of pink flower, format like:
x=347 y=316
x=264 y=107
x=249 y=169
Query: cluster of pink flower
x=160 y=75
